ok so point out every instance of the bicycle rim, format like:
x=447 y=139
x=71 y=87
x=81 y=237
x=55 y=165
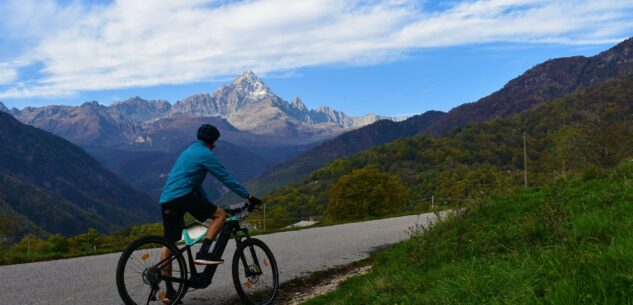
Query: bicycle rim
x=139 y=277
x=255 y=273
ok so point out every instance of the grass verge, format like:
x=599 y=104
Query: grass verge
x=567 y=243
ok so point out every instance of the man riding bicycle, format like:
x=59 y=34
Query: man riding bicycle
x=183 y=193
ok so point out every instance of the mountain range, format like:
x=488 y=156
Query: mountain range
x=139 y=139
x=246 y=104
x=51 y=185
x=546 y=81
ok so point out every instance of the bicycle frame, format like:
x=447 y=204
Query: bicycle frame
x=203 y=279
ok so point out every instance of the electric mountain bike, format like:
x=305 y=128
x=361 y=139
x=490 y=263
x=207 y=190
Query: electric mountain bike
x=141 y=279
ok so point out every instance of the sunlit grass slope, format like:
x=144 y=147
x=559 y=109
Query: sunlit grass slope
x=570 y=242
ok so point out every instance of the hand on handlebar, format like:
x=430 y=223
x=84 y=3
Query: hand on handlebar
x=254 y=202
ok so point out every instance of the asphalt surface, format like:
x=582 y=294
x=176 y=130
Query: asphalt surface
x=91 y=280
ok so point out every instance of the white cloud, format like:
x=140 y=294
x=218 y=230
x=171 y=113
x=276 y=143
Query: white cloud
x=7 y=73
x=43 y=91
x=135 y=43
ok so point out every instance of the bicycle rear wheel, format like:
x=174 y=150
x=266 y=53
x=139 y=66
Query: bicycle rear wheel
x=139 y=274
x=255 y=273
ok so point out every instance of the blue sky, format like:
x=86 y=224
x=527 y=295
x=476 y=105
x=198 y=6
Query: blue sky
x=388 y=57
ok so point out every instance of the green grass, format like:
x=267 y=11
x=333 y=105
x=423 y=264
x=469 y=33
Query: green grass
x=567 y=243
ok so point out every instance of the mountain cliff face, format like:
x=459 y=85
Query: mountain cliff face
x=549 y=80
x=59 y=188
x=139 y=109
x=249 y=104
x=89 y=123
x=245 y=90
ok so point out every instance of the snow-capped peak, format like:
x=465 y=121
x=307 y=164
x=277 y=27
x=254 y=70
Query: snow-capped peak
x=251 y=84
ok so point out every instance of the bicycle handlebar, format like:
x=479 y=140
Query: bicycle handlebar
x=237 y=208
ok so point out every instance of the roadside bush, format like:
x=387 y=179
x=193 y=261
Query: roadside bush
x=366 y=192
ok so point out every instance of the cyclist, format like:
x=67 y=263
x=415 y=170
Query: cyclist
x=183 y=193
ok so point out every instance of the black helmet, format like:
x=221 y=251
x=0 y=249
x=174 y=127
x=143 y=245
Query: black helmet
x=208 y=133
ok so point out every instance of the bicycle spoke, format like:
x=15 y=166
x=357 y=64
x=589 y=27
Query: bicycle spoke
x=138 y=264
x=133 y=276
x=137 y=289
x=142 y=276
x=149 y=296
x=257 y=276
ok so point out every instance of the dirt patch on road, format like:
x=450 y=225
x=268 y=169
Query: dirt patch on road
x=302 y=289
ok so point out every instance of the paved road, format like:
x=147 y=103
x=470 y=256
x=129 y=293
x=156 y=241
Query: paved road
x=91 y=280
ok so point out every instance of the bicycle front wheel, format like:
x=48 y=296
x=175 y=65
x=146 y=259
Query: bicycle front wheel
x=255 y=273
x=141 y=273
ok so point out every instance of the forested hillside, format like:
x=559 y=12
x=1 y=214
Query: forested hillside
x=546 y=81
x=591 y=128
x=49 y=185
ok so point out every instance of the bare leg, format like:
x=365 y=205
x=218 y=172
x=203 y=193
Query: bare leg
x=167 y=268
x=219 y=218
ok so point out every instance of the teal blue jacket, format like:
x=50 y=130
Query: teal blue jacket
x=189 y=172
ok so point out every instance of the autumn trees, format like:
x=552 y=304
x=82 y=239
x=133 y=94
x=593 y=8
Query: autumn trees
x=365 y=192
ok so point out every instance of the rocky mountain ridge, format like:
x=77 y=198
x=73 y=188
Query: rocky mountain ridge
x=546 y=81
x=246 y=103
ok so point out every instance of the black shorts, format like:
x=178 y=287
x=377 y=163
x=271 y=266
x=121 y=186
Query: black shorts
x=174 y=212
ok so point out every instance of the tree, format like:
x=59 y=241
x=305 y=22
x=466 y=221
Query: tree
x=278 y=217
x=87 y=241
x=30 y=244
x=366 y=192
x=602 y=137
x=58 y=243
x=8 y=227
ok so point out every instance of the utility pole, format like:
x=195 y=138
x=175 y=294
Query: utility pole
x=264 y=217
x=525 y=162
x=432 y=201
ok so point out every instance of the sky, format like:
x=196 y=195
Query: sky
x=389 y=57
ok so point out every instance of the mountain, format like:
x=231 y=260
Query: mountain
x=140 y=110
x=59 y=188
x=347 y=144
x=86 y=124
x=243 y=92
x=249 y=104
x=549 y=80
x=4 y=108
x=147 y=163
x=546 y=81
x=259 y=130
x=246 y=103
x=583 y=131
